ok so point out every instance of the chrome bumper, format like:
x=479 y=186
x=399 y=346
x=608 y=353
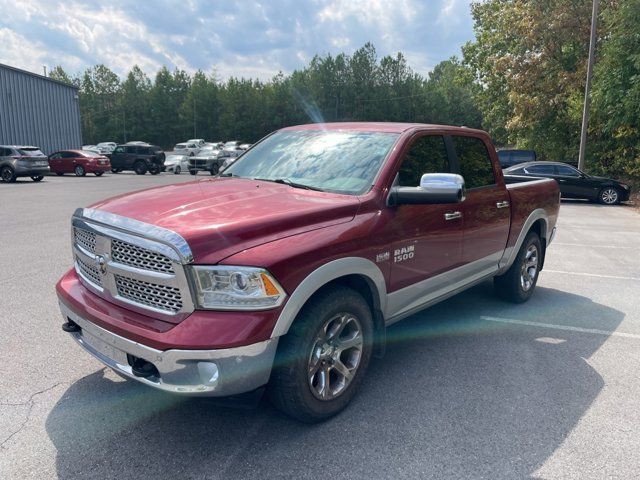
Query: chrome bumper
x=216 y=373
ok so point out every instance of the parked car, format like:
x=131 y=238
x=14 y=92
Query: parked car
x=509 y=158
x=189 y=148
x=137 y=142
x=198 y=141
x=245 y=146
x=139 y=158
x=574 y=183
x=231 y=144
x=176 y=163
x=287 y=268
x=106 y=147
x=22 y=161
x=79 y=162
x=207 y=160
x=230 y=152
x=91 y=148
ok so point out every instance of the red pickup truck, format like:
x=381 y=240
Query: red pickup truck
x=285 y=270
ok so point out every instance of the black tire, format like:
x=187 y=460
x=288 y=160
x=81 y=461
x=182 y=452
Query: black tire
x=7 y=174
x=193 y=172
x=154 y=171
x=37 y=178
x=59 y=174
x=79 y=171
x=609 y=196
x=519 y=282
x=177 y=170
x=140 y=168
x=291 y=389
x=214 y=169
x=115 y=170
x=98 y=174
x=192 y=154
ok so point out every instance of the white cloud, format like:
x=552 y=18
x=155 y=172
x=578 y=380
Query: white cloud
x=248 y=38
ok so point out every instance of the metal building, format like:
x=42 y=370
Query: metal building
x=39 y=111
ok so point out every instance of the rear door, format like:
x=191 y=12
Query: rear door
x=486 y=209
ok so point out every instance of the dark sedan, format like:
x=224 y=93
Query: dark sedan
x=574 y=183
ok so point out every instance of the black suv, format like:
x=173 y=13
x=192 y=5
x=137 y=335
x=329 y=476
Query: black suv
x=139 y=158
x=22 y=161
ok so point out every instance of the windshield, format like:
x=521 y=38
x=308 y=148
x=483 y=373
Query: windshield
x=335 y=161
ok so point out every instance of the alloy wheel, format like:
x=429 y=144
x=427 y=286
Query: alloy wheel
x=529 y=269
x=335 y=356
x=609 y=196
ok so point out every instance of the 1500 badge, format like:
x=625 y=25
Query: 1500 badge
x=404 y=253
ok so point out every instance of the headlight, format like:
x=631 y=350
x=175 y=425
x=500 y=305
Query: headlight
x=222 y=287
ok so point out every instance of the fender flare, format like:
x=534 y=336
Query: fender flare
x=510 y=253
x=322 y=276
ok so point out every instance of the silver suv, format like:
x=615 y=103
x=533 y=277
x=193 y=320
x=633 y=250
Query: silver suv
x=22 y=161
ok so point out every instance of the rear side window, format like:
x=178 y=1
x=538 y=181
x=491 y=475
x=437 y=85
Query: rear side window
x=426 y=155
x=475 y=164
x=5 y=152
x=567 y=171
x=131 y=149
x=541 y=169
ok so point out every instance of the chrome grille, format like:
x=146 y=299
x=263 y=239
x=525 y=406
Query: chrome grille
x=85 y=239
x=135 y=256
x=89 y=271
x=138 y=271
x=161 y=297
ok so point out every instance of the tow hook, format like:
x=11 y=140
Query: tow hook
x=142 y=368
x=71 y=326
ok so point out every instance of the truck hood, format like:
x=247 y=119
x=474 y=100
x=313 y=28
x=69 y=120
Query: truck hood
x=222 y=216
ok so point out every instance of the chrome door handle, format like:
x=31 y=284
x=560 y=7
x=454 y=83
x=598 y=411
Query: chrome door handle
x=452 y=215
x=504 y=204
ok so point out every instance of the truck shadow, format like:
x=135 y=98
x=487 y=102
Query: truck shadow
x=455 y=397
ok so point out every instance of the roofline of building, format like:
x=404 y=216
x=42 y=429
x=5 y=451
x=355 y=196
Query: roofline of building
x=37 y=75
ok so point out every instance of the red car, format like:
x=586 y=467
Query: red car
x=79 y=162
x=287 y=268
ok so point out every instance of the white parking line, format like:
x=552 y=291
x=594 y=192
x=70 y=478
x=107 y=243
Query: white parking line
x=583 y=274
x=561 y=327
x=595 y=246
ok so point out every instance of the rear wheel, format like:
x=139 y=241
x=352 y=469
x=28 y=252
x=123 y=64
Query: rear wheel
x=140 y=168
x=79 y=171
x=98 y=174
x=193 y=172
x=37 y=178
x=518 y=283
x=323 y=358
x=609 y=196
x=7 y=174
x=115 y=170
x=177 y=170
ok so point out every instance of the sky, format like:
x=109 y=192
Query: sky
x=243 y=38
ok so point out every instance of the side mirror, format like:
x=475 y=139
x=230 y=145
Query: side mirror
x=435 y=188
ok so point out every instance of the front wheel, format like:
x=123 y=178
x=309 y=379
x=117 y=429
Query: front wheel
x=323 y=358
x=177 y=170
x=609 y=196
x=140 y=168
x=79 y=171
x=7 y=174
x=214 y=169
x=37 y=178
x=518 y=283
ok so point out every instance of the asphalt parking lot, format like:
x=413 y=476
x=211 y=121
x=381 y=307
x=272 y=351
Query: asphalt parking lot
x=471 y=388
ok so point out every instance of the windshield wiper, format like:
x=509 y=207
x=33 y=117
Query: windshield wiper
x=286 y=181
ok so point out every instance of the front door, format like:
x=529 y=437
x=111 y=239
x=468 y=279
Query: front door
x=486 y=209
x=426 y=240
x=118 y=157
x=571 y=183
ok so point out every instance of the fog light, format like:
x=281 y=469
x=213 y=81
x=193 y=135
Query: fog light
x=208 y=372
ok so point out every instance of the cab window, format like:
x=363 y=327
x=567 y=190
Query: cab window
x=475 y=163
x=426 y=155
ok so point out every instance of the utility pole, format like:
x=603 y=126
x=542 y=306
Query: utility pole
x=194 y=116
x=587 y=89
x=44 y=67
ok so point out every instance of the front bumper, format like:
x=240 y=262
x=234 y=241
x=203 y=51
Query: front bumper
x=220 y=372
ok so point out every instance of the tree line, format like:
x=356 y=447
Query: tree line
x=522 y=79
